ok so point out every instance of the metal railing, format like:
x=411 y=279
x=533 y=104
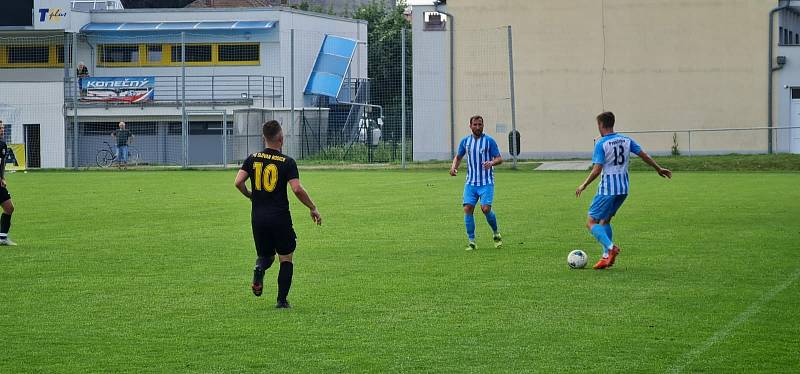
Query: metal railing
x=263 y=90
x=689 y=132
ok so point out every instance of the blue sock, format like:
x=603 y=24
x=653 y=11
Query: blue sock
x=469 y=220
x=492 y=219
x=609 y=233
x=600 y=234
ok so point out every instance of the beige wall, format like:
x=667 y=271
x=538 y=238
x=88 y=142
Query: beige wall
x=669 y=64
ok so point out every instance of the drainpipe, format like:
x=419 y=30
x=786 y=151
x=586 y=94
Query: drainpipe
x=771 y=69
x=451 y=25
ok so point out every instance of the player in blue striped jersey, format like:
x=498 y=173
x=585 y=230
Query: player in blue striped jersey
x=482 y=155
x=611 y=156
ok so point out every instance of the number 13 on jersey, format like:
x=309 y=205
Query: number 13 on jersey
x=265 y=176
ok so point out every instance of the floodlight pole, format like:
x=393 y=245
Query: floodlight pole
x=514 y=145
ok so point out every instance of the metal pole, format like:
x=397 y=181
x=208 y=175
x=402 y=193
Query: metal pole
x=514 y=145
x=184 y=118
x=224 y=139
x=75 y=92
x=689 y=142
x=291 y=78
x=403 y=98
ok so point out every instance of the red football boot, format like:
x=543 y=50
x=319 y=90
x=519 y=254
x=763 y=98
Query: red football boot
x=602 y=264
x=612 y=255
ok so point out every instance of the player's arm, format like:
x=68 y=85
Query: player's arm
x=665 y=173
x=302 y=195
x=462 y=150
x=497 y=158
x=596 y=170
x=241 y=177
x=454 y=166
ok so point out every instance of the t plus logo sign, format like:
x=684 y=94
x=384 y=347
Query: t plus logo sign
x=45 y=14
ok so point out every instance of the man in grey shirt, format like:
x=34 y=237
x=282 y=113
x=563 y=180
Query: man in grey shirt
x=123 y=136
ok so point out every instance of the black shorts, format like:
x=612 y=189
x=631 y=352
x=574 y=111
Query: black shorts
x=4 y=195
x=271 y=238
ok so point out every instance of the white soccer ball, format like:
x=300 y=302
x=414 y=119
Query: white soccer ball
x=577 y=259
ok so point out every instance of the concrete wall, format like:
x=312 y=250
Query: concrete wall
x=658 y=64
x=430 y=90
x=38 y=103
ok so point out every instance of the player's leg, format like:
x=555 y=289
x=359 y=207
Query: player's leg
x=598 y=212
x=487 y=197
x=5 y=217
x=266 y=256
x=469 y=202
x=285 y=250
x=612 y=254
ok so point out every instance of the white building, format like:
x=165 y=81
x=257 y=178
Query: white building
x=236 y=60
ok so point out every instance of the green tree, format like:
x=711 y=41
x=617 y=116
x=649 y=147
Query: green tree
x=384 y=45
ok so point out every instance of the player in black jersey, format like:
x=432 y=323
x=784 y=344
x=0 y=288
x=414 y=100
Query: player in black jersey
x=5 y=197
x=269 y=172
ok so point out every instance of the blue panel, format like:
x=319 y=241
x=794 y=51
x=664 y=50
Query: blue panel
x=176 y=25
x=331 y=66
x=254 y=25
x=338 y=46
x=179 y=26
x=214 y=25
x=101 y=27
x=137 y=27
x=324 y=84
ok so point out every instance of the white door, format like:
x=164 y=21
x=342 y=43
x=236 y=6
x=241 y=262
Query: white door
x=794 y=138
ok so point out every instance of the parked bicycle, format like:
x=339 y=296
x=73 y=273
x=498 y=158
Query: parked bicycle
x=107 y=156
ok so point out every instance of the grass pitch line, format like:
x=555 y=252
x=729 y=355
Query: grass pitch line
x=722 y=334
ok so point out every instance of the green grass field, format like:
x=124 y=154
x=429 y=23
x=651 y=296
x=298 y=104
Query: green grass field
x=149 y=272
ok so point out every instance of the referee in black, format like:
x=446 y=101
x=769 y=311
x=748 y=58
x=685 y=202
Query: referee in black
x=269 y=171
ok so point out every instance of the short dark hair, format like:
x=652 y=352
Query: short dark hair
x=474 y=118
x=271 y=129
x=606 y=119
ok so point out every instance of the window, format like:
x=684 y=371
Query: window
x=154 y=53
x=115 y=54
x=60 y=55
x=238 y=52
x=434 y=21
x=118 y=55
x=28 y=54
x=194 y=53
x=795 y=93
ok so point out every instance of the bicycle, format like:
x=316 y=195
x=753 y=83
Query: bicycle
x=106 y=157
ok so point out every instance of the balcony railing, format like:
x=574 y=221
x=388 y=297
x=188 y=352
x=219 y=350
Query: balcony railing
x=263 y=90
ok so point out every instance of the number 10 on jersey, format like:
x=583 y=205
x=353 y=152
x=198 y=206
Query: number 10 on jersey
x=266 y=176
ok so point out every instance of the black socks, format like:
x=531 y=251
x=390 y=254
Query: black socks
x=5 y=223
x=285 y=280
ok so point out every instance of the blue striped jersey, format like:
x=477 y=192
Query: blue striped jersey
x=613 y=152
x=478 y=151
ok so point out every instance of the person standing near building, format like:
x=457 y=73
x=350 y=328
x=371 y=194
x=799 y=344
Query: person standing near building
x=482 y=155
x=269 y=172
x=5 y=197
x=611 y=158
x=123 y=137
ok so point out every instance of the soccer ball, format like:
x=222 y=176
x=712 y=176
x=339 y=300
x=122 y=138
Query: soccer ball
x=577 y=259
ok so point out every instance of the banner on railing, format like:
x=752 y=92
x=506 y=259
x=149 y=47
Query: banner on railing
x=117 y=89
x=15 y=158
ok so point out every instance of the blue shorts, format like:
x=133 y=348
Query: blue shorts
x=605 y=206
x=474 y=193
